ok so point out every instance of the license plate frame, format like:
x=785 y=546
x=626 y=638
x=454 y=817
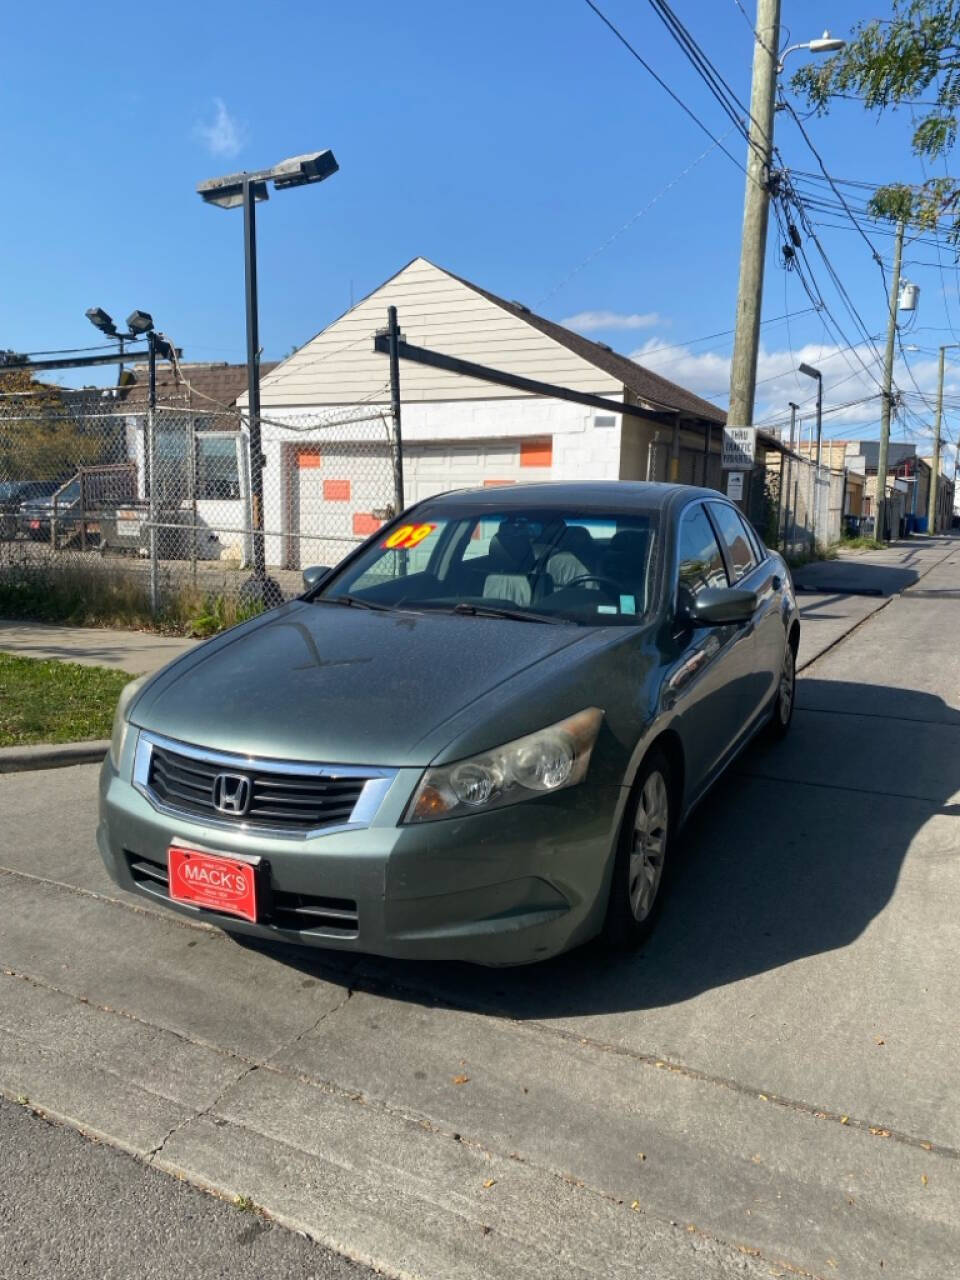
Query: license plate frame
x=228 y=883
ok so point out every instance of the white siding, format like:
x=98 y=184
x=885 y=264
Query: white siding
x=437 y=311
x=469 y=442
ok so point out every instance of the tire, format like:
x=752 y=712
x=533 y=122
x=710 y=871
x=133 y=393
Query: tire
x=785 y=698
x=637 y=885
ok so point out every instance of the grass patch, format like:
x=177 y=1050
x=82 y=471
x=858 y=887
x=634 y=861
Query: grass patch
x=81 y=595
x=43 y=700
x=862 y=544
x=801 y=558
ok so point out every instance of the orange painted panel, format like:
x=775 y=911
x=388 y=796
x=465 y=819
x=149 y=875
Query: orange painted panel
x=336 y=490
x=496 y=484
x=309 y=458
x=536 y=453
x=364 y=523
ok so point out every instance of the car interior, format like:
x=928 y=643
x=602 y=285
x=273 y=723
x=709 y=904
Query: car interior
x=582 y=568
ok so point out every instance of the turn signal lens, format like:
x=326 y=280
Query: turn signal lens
x=548 y=760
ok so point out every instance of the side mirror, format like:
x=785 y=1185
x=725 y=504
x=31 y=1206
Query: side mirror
x=720 y=606
x=314 y=574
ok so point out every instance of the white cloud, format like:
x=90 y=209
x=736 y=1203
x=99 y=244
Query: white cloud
x=224 y=135
x=592 y=321
x=844 y=381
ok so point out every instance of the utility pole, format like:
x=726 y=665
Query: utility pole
x=886 y=396
x=756 y=209
x=935 y=460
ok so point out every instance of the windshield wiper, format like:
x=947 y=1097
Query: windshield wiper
x=354 y=602
x=492 y=611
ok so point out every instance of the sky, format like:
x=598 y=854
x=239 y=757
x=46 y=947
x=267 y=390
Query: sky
x=514 y=142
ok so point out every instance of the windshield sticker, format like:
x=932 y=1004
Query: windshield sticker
x=407 y=536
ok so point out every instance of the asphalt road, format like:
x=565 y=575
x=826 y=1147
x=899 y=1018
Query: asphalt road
x=80 y=1209
x=768 y=1088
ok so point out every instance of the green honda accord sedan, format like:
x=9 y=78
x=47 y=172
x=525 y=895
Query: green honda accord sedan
x=473 y=739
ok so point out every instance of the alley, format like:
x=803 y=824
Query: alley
x=768 y=1088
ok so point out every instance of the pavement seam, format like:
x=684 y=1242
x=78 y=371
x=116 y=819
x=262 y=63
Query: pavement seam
x=422 y=1122
x=371 y=986
x=880 y=715
x=841 y=786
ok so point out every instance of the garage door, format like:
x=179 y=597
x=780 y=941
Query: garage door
x=437 y=467
x=339 y=495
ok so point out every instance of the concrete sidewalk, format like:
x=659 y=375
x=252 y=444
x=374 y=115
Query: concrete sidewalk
x=138 y=652
x=836 y=596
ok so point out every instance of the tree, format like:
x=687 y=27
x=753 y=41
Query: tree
x=890 y=63
x=39 y=438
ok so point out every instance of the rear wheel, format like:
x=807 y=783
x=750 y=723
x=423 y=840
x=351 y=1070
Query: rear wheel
x=786 y=695
x=637 y=887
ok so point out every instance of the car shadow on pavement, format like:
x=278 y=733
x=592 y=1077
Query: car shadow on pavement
x=792 y=854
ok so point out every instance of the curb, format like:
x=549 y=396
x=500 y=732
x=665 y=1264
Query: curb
x=52 y=755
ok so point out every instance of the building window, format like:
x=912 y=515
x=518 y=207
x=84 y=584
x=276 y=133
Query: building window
x=218 y=475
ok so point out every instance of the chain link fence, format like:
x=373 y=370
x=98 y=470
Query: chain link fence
x=155 y=506
x=782 y=497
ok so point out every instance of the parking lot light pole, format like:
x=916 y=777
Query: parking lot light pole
x=245 y=190
x=811 y=372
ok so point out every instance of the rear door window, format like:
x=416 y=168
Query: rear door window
x=699 y=562
x=739 y=547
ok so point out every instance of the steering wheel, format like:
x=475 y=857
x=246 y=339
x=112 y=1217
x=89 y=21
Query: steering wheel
x=606 y=584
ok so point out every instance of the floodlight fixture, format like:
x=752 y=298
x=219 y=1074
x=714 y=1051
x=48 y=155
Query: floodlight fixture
x=100 y=320
x=297 y=171
x=139 y=322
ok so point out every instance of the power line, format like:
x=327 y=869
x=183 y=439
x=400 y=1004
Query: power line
x=718 y=87
x=662 y=83
x=630 y=221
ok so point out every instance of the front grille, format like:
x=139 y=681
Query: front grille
x=291 y=801
x=302 y=912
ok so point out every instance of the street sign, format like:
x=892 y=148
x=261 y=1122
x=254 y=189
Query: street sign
x=735 y=485
x=739 y=448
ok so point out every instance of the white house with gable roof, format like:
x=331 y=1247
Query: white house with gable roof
x=324 y=486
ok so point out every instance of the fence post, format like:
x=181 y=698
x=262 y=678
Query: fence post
x=393 y=330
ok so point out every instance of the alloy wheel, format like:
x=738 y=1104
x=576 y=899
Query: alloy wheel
x=648 y=851
x=788 y=680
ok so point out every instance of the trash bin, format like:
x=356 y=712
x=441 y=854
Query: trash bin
x=920 y=524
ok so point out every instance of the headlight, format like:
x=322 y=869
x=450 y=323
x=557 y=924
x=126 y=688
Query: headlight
x=549 y=760
x=120 y=724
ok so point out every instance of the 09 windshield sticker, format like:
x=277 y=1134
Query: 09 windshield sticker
x=407 y=536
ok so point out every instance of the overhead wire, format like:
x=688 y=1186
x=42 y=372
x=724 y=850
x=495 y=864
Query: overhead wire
x=662 y=83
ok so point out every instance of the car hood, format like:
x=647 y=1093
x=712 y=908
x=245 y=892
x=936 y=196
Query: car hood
x=318 y=682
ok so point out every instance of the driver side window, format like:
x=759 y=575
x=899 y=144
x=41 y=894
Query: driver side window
x=699 y=562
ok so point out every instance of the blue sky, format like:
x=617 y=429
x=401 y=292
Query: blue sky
x=507 y=141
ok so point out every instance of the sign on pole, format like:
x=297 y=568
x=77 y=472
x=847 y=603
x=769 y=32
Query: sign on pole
x=735 y=485
x=739 y=448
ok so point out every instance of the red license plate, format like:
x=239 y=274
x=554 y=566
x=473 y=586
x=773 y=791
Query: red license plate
x=34 y=524
x=218 y=883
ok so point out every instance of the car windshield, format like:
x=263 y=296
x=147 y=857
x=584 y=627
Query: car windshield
x=586 y=567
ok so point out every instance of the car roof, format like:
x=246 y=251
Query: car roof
x=610 y=496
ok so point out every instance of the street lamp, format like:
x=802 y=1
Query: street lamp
x=811 y=372
x=246 y=190
x=822 y=44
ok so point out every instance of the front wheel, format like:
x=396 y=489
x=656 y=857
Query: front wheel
x=638 y=873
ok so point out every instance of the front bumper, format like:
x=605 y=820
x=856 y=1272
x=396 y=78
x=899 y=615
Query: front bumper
x=511 y=886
